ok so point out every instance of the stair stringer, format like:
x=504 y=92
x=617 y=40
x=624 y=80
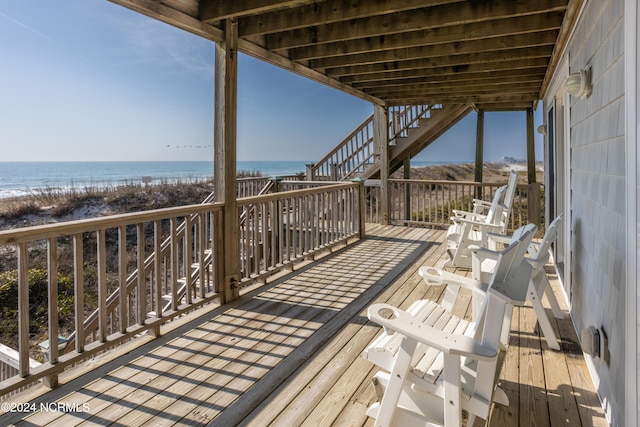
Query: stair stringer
x=441 y=120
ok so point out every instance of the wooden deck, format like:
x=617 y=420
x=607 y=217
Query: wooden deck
x=288 y=354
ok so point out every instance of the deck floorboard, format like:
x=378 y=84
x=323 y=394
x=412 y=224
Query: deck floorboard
x=289 y=353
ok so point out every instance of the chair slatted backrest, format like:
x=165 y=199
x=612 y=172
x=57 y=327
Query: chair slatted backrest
x=497 y=206
x=541 y=253
x=511 y=190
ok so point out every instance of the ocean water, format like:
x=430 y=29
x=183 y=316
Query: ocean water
x=23 y=178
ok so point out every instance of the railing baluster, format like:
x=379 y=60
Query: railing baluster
x=265 y=235
x=188 y=259
x=157 y=267
x=174 y=263
x=122 y=278
x=204 y=276
x=78 y=277
x=141 y=297
x=23 y=310
x=102 y=285
x=52 y=270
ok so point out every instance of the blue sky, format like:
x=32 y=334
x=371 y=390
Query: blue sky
x=90 y=80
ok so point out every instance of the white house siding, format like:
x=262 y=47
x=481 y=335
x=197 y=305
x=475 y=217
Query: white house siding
x=598 y=217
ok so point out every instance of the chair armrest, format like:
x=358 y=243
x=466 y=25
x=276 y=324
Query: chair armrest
x=482 y=253
x=499 y=238
x=476 y=223
x=405 y=324
x=432 y=276
x=483 y=204
x=468 y=215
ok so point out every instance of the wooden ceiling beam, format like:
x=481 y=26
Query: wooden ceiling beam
x=327 y=12
x=494 y=45
x=407 y=21
x=461 y=62
x=451 y=34
x=486 y=67
x=451 y=79
x=506 y=87
x=511 y=106
x=216 y=10
x=172 y=16
x=486 y=99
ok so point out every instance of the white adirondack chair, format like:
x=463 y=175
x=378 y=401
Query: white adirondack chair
x=482 y=258
x=469 y=231
x=539 y=285
x=471 y=228
x=441 y=367
x=482 y=208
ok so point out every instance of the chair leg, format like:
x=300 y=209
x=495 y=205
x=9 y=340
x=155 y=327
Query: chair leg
x=553 y=302
x=543 y=318
x=397 y=376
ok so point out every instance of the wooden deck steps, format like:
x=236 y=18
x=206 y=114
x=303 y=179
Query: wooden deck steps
x=289 y=353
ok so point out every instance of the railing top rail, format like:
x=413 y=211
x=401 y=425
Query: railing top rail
x=308 y=183
x=252 y=178
x=47 y=231
x=449 y=182
x=295 y=193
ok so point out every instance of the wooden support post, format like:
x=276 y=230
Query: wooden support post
x=362 y=208
x=533 y=193
x=381 y=142
x=531 y=148
x=533 y=204
x=406 y=166
x=309 y=173
x=333 y=172
x=276 y=180
x=226 y=91
x=479 y=152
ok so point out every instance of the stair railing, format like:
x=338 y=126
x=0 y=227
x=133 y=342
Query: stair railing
x=403 y=118
x=357 y=151
x=349 y=156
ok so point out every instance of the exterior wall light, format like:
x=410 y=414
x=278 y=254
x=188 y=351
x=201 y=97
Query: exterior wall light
x=579 y=84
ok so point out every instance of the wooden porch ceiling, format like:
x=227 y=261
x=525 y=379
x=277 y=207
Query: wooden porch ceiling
x=497 y=54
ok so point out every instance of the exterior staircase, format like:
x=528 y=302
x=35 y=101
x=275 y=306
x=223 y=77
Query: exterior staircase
x=411 y=129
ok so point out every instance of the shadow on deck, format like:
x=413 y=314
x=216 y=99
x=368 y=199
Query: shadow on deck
x=288 y=354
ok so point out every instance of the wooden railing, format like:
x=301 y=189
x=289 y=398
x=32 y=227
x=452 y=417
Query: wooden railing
x=93 y=268
x=357 y=151
x=282 y=228
x=99 y=261
x=249 y=187
x=430 y=203
x=257 y=186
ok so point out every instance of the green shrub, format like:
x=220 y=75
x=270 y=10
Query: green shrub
x=38 y=303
